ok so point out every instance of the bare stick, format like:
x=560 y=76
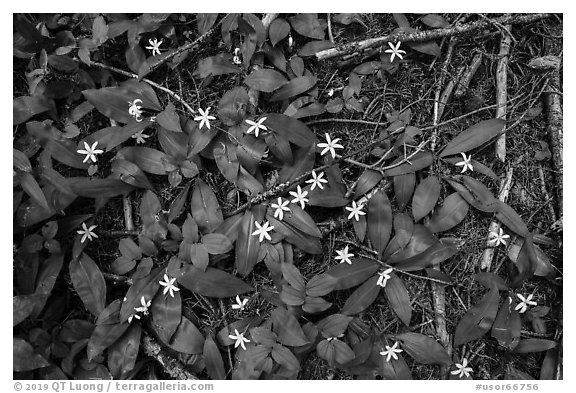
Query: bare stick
x=468 y=75
x=544 y=191
x=501 y=90
x=438 y=108
x=150 y=82
x=488 y=255
x=173 y=367
x=555 y=132
x=428 y=35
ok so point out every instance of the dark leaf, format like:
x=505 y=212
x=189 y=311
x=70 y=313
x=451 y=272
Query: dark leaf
x=205 y=22
x=308 y=25
x=424 y=349
x=27 y=106
x=213 y=360
x=212 y=282
x=247 y=245
x=205 y=207
x=103 y=336
x=531 y=345
x=288 y=329
x=398 y=298
x=166 y=312
x=123 y=353
x=279 y=29
x=89 y=283
x=425 y=197
x=507 y=326
x=292 y=129
x=478 y=320
x=285 y=357
x=25 y=358
x=216 y=65
x=146 y=286
x=265 y=80
x=474 y=136
x=452 y=212
x=187 y=338
x=348 y=276
x=293 y=88
x=379 y=221
x=362 y=297
x=368 y=179
x=419 y=161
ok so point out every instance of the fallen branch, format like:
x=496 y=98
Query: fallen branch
x=422 y=36
x=488 y=255
x=438 y=108
x=555 y=131
x=501 y=90
x=467 y=76
x=173 y=367
x=544 y=191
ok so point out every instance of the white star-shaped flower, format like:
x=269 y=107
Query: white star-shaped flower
x=145 y=304
x=466 y=164
x=462 y=370
x=204 y=117
x=169 y=285
x=299 y=196
x=391 y=352
x=240 y=304
x=280 y=207
x=255 y=127
x=395 y=51
x=355 y=211
x=87 y=232
x=154 y=46
x=524 y=303
x=495 y=239
x=262 y=231
x=140 y=137
x=135 y=110
x=330 y=146
x=90 y=152
x=317 y=181
x=240 y=339
x=133 y=316
x=344 y=255
x=384 y=277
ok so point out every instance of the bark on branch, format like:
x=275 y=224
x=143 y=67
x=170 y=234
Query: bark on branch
x=428 y=35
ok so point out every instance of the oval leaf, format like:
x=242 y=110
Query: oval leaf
x=265 y=80
x=425 y=197
x=452 y=212
x=474 y=136
x=89 y=283
x=212 y=282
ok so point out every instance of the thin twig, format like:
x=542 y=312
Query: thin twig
x=150 y=82
x=488 y=254
x=467 y=76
